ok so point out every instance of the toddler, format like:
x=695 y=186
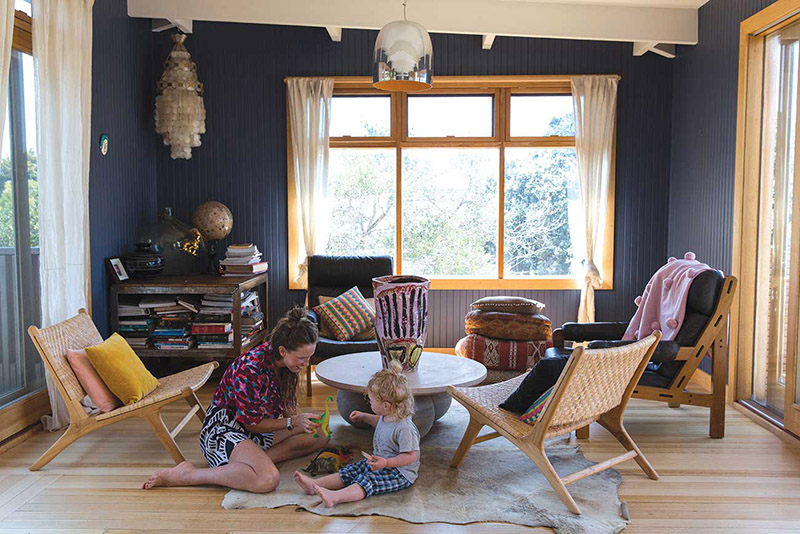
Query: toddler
x=394 y=461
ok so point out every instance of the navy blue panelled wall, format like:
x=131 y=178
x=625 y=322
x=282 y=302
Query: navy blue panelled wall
x=704 y=134
x=122 y=184
x=704 y=100
x=242 y=161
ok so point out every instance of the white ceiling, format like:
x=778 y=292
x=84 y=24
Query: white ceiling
x=694 y=4
x=646 y=22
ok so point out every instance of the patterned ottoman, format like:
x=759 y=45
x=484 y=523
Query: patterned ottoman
x=503 y=325
x=501 y=354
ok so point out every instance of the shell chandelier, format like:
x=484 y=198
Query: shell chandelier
x=180 y=113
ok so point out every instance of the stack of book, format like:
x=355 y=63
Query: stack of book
x=242 y=260
x=252 y=323
x=134 y=324
x=213 y=326
x=252 y=317
x=173 y=331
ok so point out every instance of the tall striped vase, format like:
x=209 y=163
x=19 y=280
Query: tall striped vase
x=401 y=318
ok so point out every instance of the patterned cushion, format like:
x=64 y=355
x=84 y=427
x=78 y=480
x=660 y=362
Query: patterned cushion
x=500 y=353
x=366 y=335
x=509 y=305
x=346 y=315
x=501 y=325
x=532 y=414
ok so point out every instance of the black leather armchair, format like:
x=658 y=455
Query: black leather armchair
x=331 y=276
x=704 y=330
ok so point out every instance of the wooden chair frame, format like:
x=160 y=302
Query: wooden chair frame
x=714 y=340
x=532 y=443
x=173 y=388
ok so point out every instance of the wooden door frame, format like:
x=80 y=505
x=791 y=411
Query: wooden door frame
x=753 y=32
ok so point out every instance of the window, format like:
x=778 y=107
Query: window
x=20 y=366
x=473 y=184
x=361 y=185
x=361 y=116
x=450 y=116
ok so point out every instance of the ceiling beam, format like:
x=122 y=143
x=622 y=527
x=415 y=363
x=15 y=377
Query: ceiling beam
x=488 y=41
x=160 y=25
x=642 y=47
x=335 y=32
x=665 y=50
x=184 y=25
x=475 y=17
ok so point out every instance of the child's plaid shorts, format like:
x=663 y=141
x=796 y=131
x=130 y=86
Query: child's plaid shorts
x=386 y=480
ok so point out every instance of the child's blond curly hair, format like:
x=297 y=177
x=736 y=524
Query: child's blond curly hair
x=390 y=385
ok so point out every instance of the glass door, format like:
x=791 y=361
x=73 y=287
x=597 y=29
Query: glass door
x=21 y=369
x=773 y=252
x=773 y=380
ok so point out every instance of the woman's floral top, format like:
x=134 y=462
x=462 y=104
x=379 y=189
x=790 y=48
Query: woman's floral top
x=250 y=388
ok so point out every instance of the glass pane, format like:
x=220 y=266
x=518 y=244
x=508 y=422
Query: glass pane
x=451 y=116
x=773 y=253
x=20 y=366
x=450 y=212
x=11 y=370
x=29 y=88
x=541 y=116
x=23 y=5
x=361 y=116
x=361 y=185
x=540 y=185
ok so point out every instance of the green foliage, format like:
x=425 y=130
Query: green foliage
x=450 y=212
x=450 y=208
x=7 y=230
x=363 y=208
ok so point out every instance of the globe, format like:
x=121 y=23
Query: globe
x=213 y=219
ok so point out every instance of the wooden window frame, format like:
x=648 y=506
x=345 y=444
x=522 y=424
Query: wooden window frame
x=501 y=88
x=22 y=39
x=752 y=38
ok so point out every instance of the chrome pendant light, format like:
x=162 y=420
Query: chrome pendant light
x=403 y=59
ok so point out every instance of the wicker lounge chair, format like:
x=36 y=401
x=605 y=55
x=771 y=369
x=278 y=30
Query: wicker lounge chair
x=595 y=386
x=79 y=332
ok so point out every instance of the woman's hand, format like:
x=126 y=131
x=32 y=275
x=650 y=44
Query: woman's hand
x=376 y=463
x=304 y=424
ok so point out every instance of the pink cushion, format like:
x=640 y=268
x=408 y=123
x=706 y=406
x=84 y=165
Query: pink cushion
x=92 y=384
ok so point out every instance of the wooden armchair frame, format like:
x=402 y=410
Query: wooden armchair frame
x=596 y=385
x=79 y=332
x=712 y=340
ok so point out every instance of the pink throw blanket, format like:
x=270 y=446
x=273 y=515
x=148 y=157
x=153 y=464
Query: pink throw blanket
x=662 y=306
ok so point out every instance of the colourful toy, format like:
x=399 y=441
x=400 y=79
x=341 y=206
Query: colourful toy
x=329 y=460
x=324 y=421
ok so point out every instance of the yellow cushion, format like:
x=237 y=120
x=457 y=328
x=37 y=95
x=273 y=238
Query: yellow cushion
x=121 y=369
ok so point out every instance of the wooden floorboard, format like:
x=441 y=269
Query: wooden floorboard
x=747 y=482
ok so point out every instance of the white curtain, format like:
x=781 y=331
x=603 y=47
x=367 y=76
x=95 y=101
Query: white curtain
x=6 y=37
x=310 y=119
x=595 y=101
x=62 y=46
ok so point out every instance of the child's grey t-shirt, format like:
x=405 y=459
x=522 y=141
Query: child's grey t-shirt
x=395 y=437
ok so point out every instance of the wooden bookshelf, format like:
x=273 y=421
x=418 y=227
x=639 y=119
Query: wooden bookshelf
x=197 y=285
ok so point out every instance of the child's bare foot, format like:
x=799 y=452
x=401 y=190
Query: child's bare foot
x=174 y=476
x=304 y=482
x=325 y=494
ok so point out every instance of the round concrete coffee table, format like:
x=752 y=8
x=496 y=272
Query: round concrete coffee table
x=351 y=372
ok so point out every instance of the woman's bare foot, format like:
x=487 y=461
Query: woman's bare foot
x=325 y=494
x=304 y=482
x=174 y=476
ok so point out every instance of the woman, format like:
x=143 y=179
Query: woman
x=250 y=425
